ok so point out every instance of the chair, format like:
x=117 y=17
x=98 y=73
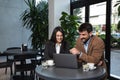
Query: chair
x=5 y=64
x=16 y=77
x=11 y=58
x=39 y=58
x=21 y=66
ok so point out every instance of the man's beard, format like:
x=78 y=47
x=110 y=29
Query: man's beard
x=85 y=40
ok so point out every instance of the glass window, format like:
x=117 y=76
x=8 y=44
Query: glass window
x=98 y=18
x=80 y=12
x=115 y=42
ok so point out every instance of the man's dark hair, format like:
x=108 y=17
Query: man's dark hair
x=85 y=27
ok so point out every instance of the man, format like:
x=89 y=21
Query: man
x=89 y=48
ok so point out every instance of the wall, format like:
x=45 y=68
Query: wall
x=11 y=31
x=55 y=9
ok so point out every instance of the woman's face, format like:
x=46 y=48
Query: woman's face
x=59 y=37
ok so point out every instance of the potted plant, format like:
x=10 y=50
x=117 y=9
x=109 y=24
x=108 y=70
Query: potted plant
x=35 y=18
x=70 y=24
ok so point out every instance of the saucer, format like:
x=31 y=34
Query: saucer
x=93 y=68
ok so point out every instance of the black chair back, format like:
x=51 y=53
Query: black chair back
x=5 y=64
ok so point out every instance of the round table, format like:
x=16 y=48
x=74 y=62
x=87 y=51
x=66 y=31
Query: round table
x=19 y=52
x=21 y=55
x=54 y=73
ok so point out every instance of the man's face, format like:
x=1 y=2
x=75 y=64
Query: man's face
x=84 y=36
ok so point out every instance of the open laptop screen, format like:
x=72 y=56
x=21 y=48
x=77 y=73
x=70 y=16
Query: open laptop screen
x=65 y=60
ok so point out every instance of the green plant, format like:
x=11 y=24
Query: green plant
x=69 y=23
x=102 y=36
x=118 y=4
x=77 y=13
x=35 y=18
x=115 y=43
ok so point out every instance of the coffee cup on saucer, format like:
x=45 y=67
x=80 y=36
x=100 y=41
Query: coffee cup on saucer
x=50 y=62
x=91 y=66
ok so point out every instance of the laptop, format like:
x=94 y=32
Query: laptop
x=65 y=60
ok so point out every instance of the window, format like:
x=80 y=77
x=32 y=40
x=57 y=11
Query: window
x=104 y=21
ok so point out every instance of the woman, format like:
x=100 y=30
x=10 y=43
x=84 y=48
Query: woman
x=57 y=44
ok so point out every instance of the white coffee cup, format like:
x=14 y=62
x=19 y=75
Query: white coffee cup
x=91 y=65
x=50 y=62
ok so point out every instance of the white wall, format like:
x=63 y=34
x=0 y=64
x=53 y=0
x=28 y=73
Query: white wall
x=55 y=9
x=11 y=31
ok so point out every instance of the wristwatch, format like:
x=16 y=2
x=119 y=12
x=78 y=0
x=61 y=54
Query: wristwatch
x=78 y=55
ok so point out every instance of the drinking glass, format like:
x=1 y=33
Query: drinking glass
x=44 y=64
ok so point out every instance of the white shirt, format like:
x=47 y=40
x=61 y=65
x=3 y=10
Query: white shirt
x=58 y=48
x=86 y=45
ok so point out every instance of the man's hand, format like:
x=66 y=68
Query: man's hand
x=74 y=51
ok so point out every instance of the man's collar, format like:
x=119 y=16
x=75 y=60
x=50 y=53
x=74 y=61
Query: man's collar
x=87 y=42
